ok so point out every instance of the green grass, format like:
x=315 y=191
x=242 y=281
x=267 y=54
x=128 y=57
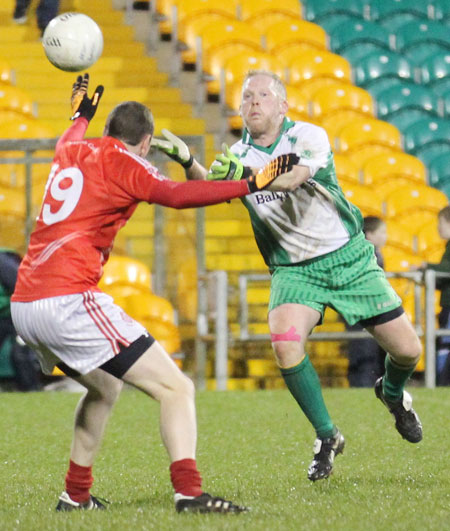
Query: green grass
x=253 y=448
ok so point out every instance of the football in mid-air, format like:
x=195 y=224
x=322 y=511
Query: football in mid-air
x=72 y=42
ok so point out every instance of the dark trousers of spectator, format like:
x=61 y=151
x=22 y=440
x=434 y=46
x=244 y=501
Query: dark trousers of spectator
x=366 y=360
x=46 y=10
x=23 y=359
x=443 y=350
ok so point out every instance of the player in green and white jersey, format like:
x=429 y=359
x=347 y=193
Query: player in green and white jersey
x=312 y=242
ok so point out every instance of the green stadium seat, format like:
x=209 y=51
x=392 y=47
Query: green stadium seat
x=383 y=83
x=435 y=70
x=427 y=138
x=441 y=10
x=439 y=170
x=403 y=105
x=376 y=66
x=355 y=52
x=319 y=10
x=420 y=39
x=331 y=22
x=357 y=32
x=391 y=15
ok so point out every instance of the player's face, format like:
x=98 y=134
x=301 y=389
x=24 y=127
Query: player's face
x=262 y=110
x=444 y=228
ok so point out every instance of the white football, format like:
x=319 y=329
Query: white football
x=72 y=42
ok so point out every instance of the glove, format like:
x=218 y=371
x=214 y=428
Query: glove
x=82 y=105
x=274 y=168
x=228 y=167
x=174 y=148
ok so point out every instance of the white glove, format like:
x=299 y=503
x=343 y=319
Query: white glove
x=175 y=148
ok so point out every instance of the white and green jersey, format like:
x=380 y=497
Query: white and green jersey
x=311 y=221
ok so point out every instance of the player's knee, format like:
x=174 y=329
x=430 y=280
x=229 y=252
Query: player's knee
x=410 y=353
x=287 y=353
x=108 y=393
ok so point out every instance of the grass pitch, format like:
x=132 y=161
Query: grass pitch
x=253 y=448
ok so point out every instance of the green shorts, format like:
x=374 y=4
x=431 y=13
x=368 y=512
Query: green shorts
x=348 y=280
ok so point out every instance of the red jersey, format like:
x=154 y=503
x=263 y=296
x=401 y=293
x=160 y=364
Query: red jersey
x=93 y=188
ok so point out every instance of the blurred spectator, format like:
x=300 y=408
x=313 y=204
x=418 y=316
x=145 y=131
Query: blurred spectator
x=46 y=10
x=23 y=360
x=443 y=284
x=366 y=357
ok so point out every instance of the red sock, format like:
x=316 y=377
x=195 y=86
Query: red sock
x=185 y=477
x=78 y=482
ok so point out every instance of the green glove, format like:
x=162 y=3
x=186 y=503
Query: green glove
x=228 y=167
x=175 y=148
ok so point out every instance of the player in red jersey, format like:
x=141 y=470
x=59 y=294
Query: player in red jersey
x=93 y=188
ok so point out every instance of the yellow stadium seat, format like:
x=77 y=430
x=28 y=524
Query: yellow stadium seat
x=415 y=197
x=346 y=170
x=218 y=57
x=262 y=21
x=318 y=63
x=125 y=271
x=146 y=305
x=250 y=8
x=416 y=219
x=165 y=333
x=339 y=97
x=191 y=10
x=429 y=241
x=362 y=154
x=399 y=236
x=312 y=86
x=397 y=260
x=215 y=33
x=7 y=76
x=12 y=219
x=25 y=128
x=369 y=131
x=335 y=121
x=296 y=101
x=15 y=99
x=284 y=33
x=364 y=198
x=386 y=187
x=390 y=165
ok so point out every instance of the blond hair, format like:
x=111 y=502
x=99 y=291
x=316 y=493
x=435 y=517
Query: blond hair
x=278 y=85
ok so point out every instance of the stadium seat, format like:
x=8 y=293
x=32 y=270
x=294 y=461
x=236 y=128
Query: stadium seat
x=366 y=199
x=400 y=237
x=358 y=50
x=217 y=58
x=12 y=216
x=369 y=131
x=429 y=241
x=435 y=73
x=339 y=97
x=427 y=138
x=390 y=166
x=252 y=8
x=350 y=33
x=439 y=170
x=284 y=33
x=420 y=39
x=335 y=121
x=147 y=305
x=403 y=105
x=292 y=51
x=7 y=76
x=416 y=219
x=391 y=15
x=319 y=10
x=15 y=99
x=440 y=10
x=296 y=100
x=398 y=261
x=346 y=170
x=418 y=197
x=125 y=271
x=365 y=152
x=25 y=128
x=377 y=66
x=191 y=10
x=310 y=87
x=319 y=63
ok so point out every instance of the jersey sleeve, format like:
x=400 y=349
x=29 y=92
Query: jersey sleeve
x=135 y=179
x=313 y=148
x=75 y=132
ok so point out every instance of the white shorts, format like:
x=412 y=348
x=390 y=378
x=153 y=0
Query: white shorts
x=83 y=330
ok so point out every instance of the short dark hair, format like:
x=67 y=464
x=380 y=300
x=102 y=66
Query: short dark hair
x=372 y=223
x=129 y=121
x=445 y=213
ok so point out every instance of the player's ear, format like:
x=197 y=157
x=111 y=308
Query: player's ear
x=145 y=145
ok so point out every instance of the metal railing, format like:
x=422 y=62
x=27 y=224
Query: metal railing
x=222 y=336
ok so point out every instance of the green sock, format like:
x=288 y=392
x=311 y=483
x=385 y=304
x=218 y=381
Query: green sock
x=395 y=378
x=304 y=385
